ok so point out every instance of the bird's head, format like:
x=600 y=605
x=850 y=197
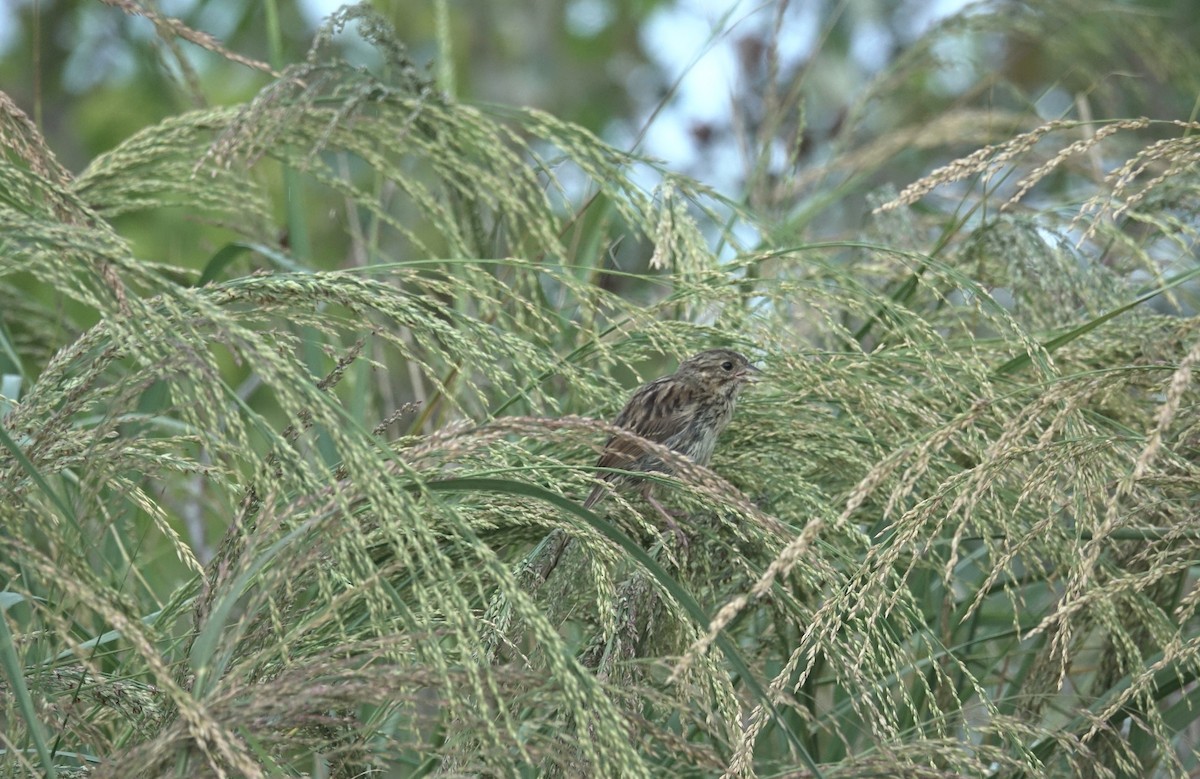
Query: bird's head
x=719 y=367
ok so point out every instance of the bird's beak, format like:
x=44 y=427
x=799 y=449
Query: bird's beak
x=751 y=374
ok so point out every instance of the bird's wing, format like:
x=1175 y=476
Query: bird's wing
x=656 y=412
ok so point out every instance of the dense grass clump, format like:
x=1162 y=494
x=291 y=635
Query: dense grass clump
x=305 y=498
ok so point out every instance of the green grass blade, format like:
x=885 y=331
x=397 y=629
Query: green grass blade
x=15 y=672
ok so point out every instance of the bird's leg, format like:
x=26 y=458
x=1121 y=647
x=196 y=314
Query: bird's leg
x=667 y=514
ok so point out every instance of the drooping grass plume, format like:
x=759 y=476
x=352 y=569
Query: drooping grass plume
x=273 y=510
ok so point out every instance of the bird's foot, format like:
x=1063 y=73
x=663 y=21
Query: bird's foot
x=670 y=516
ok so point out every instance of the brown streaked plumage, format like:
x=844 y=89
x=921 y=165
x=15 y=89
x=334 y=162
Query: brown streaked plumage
x=685 y=412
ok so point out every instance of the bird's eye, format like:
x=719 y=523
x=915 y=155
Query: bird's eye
x=727 y=365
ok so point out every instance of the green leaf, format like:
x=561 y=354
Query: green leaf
x=222 y=260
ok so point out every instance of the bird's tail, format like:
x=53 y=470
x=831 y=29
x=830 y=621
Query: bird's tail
x=597 y=493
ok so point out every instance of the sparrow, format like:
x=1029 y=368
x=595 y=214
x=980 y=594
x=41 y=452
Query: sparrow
x=685 y=412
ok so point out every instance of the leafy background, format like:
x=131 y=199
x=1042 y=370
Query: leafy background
x=309 y=336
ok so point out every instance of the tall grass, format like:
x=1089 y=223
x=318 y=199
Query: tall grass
x=272 y=512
